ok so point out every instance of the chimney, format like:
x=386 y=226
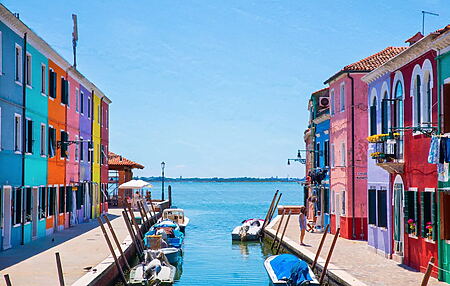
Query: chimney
x=414 y=39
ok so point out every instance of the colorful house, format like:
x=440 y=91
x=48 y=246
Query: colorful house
x=105 y=102
x=348 y=177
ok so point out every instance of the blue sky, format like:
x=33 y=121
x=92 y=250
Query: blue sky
x=219 y=88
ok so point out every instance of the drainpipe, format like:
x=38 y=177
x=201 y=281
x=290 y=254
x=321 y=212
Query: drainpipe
x=438 y=63
x=353 y=155
x=24 y=132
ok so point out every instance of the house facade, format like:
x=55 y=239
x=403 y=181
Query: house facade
x=40 y=144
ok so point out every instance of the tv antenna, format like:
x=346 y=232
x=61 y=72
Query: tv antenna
x=74 y=39
x=423 y=19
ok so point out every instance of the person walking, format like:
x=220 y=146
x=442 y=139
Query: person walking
x=302 y=221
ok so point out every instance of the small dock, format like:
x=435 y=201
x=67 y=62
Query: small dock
x=352 y=263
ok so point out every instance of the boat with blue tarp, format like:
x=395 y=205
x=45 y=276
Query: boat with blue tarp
x=287 y=269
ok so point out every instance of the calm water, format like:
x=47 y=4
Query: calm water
x=210 y=258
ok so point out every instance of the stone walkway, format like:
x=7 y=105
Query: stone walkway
x=353 y=259
x=80 y=246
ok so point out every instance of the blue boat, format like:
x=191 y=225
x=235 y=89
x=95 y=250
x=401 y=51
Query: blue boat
x=175 y=237
x=287 y=269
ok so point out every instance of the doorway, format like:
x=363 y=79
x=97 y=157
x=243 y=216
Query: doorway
x=337 y=208
x=35 y=212
x=7 y=217
x=399 y=226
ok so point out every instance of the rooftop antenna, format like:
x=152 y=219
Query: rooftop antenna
x=75 y=39
x=423 y=19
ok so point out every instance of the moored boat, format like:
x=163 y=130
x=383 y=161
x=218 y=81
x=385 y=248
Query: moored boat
x=249 y=230
x=155 y=270
x=177 y=216
x=287 y=269
x=175 y=237
x=172 y=254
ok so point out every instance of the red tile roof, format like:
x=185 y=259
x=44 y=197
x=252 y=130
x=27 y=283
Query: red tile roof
x=442 y=30
x=320 y=90
x=414 y=38
x=118 y=160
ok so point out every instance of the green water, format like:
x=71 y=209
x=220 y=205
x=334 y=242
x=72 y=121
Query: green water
x=210 y=257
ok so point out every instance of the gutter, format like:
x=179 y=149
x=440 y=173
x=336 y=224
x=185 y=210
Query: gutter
x=353 y=156
x=346 y=72
x=24 y=133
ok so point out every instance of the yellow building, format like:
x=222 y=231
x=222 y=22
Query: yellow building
x=96 y=136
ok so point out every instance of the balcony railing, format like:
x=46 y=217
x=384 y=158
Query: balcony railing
x=387 y=151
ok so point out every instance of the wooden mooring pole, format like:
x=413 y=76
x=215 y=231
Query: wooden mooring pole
x=111 y=249
x=143 y=218
x=137 y=244
x=333 y=244
x=60 y=271
x=154 y=217
x=320 y=247
x=145 y=214
x=274 y=209
x=269 y=211
x=426 y=276
x=139 y=233
x=278 y=229
x=7 y=280
x=169 y=190
x=118 y=245
x=284 y=231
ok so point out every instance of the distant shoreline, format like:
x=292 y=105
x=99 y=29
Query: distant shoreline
x=223 y=180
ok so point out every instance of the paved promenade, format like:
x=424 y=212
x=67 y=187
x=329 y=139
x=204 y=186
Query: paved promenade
x=81 y=246
x=353 y=260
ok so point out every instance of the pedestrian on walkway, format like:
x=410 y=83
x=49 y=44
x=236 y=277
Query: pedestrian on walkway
x=302 y=221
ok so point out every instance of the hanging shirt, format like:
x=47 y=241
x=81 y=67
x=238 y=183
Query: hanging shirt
x=433 y=155
x=442 y=149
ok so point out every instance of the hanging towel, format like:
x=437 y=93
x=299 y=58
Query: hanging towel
x=447 y=150
x=442 y=149
x=433 y=155
x=443 y=172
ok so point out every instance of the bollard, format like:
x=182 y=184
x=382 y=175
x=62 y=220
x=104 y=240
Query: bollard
x=333 y=244
x=284 y=231
x=427 y=275
x=60 y=271
x=7 y=280
x=170 y=195
x=113 y=233
x=278 y=229
x=320 y=247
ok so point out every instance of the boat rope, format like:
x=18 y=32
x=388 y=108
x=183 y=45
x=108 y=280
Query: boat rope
x=437 y=267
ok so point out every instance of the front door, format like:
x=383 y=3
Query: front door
x=399 y=226
x=7 y=217
x=35 y=212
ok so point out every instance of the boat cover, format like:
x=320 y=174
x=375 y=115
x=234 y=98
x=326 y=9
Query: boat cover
x=290 y=268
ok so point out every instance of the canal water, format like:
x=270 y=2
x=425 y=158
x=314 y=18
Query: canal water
x=210 y=257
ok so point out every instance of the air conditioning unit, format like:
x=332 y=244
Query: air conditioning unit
x=324 y=101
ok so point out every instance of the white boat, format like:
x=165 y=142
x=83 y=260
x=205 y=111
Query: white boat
x=249 y=230
x=172 y=254
x=287 y=269
x=155 y=270
x=177 y=216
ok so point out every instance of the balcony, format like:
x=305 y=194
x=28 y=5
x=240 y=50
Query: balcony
x=387 y=151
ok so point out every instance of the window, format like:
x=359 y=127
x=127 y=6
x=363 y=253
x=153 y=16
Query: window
x=382 y=208
x=444 y=200
x=80 y=196
x=342 y=97
x=102 y=155
x=410 y=211
x=428 y=213
x=106 y=118
x=51 y=142
x=42 y=202
x=62 y=200
x=332 y=155
x=326 y=199
x=343 y=153
x=82 y=103
x=64 y=91
x=17 y=133
x=372 y=206
x=64 y=144
x=81 y=149
x=52 y=83
x=43 y=137
x=373 y=116
x=69 y=201
x=28 y=201
x=332 y=102
x=326 y=153
x=77 y=149
x=29 y=69
x=398 y=116
x=333 y=201
x=385 y=114
x=51 y=201
x=18 y=62
x=426 y=120
x=89 y=107
x=17 y=206
x=98 y=114
x=29 y=136
x=417 y=101
x=343 y=198
x=89 y=153
x=43 y=80
x=77 y=99
x=98 y=153
x=317 y=155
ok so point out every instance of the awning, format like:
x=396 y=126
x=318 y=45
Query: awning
x=135 y=184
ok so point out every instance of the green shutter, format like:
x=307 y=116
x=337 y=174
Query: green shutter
x=422 y=215
x=406 y=211
x=373 y=120
x=416 y=211
x=434 y=214
x=384 y=116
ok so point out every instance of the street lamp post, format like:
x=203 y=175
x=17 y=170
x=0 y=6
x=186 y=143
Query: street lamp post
x=163 y=165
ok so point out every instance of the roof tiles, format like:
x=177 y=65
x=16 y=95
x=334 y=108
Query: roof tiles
x=118 y=160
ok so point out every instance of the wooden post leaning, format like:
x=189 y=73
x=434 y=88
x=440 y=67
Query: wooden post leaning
x=427 y=274
x=137 y=230
x=169 y=190
x=118 y=245
x=333 y=244
x=320 y=247
x=155 y=218
x=60 y=271
x=274 y=209
x=7 y=280
x=284 y=231
x=137 y=243
x=144 y=222
x=139 y=233
x=145 y=214
x=269 y=211
x=111 y=249
x=278 y=229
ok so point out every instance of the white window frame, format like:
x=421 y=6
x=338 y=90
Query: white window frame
x=77 y=100
x=77 y=149
x=427 y=73
x=343 y=154
x=43 y=140
x=29 y=71
x=332 y=156
x=81 y=150
x=343 y=203
x=89 y=107
x=18 y=136
x=26 y=136
x=106 y=118
x=333 y=201
x=81 y=103
x=332 y=103
x=342 y=97
x=43 y=79
x=18 y=61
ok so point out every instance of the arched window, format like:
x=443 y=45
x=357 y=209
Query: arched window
x=373 y=116
x=417 y=101
x=398 y=117
x=385 y=113
x=426 y=118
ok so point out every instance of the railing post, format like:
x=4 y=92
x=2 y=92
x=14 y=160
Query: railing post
x=427 y=274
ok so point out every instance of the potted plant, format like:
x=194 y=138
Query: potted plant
x=412 y=226
x=429 y=228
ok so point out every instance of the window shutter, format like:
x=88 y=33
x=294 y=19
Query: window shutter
x=373 y=120
x=433 y=214
x=384 y=116
x=406 y=211
x=372 y=206
x=422 y=215
x=416 y=212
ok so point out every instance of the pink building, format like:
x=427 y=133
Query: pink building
x=348 y=144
